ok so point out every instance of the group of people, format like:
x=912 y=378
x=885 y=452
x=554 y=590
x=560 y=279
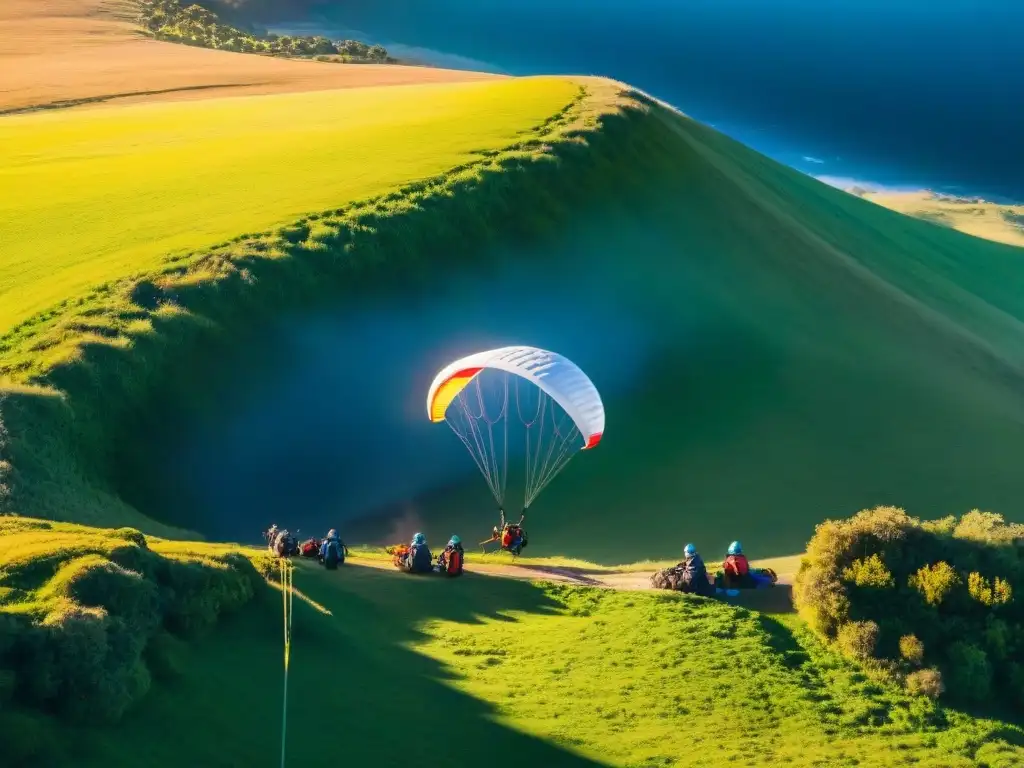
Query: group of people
x=736 y=572
x=418 y=558
x=330 y=551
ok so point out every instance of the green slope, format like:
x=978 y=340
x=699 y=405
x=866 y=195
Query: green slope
x=511 y=672
x=814 y=354
x=809 y=353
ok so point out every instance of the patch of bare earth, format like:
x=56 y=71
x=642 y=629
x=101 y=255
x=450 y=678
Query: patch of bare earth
x=56 y=53
x=776 y=600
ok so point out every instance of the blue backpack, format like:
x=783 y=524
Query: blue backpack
x=334 y=554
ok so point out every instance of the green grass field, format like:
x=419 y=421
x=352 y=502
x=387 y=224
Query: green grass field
x=513 y=672
x=816 y=354
x=91 y=196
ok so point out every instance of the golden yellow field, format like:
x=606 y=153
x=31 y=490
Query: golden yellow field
x=88 y=196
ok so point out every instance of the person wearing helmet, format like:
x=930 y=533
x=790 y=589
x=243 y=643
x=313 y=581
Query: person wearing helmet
x=736 y=568
x=694 y=574
x=450 y=561
x=419 y=559
x=332 y=550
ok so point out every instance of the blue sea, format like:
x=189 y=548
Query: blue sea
x=896 y=93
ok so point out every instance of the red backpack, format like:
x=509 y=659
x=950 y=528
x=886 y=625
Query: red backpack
x=453 y=562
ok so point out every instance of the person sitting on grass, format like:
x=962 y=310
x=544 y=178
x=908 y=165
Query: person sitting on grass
x=736 y=568
x=332 y=550
x=694 y=572
x=450 y=561
x=419 y=559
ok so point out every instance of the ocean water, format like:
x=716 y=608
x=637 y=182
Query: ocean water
x=902 y=93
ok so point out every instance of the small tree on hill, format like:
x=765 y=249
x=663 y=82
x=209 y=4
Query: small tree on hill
x=935 y=582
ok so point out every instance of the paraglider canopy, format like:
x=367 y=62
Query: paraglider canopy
x=557 y=403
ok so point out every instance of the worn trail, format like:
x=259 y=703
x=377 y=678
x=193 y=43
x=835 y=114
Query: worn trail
x=776 y=600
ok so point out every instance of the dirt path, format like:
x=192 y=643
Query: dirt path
x=776 y=600
x=60 y=53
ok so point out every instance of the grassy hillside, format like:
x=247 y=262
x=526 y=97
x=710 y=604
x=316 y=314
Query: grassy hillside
x=187 y=176
x=813 y=352
x=66 y=442
x=551 y=675
x=808 y=354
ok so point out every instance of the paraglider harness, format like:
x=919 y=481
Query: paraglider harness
x=284 y=544
x=512 y=536
x=398 y=552
x=451 y=560
x=674 y=578
x=756 y=578
x=335 y=553
x=311 y=547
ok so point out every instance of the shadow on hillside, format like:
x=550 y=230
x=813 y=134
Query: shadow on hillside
x=782 y=641
x=356 y=688
x=777 y=600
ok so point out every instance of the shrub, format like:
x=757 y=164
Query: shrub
x=969 y=674
x=8 y=684
x=858 y=639
x=935 y=582
x=84 y=652
x=952 y=579
x=926 y=682
x=987 y=527
x=912 y=649
x=998 y=638
x=869 y=572
x=26 y=740
x=163 y=656
x=996 y=592
x=96 y=582
x=194 y=25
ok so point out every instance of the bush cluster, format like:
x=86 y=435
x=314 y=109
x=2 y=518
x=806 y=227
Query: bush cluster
x=85 y=648
x=195 y=25
x=937 y=603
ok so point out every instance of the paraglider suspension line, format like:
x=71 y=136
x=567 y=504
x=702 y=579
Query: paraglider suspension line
x=287 y=595
x=552 y=439
x=465 y=415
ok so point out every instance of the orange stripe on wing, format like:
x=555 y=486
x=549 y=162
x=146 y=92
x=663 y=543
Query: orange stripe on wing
x=449 y=390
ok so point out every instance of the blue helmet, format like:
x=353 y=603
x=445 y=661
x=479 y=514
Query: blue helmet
x=419 y=539
x=454 y=541
x=689 y=550
x=332 y=534
x=735 y=548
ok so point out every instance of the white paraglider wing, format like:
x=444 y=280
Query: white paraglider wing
x=456 y=396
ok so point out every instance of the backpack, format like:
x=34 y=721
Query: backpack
x=310 y=548
x=398 y=554
x=334 y=555
x=453 y=561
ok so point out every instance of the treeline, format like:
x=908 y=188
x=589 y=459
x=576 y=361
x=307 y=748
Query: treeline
x=195 y=25
x=937 y=604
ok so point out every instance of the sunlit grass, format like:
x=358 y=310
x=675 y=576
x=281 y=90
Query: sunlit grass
x=541 y=674
x=90 y=196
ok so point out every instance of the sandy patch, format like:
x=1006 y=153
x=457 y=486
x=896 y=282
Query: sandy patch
x=64 y=52
x=992 y=221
